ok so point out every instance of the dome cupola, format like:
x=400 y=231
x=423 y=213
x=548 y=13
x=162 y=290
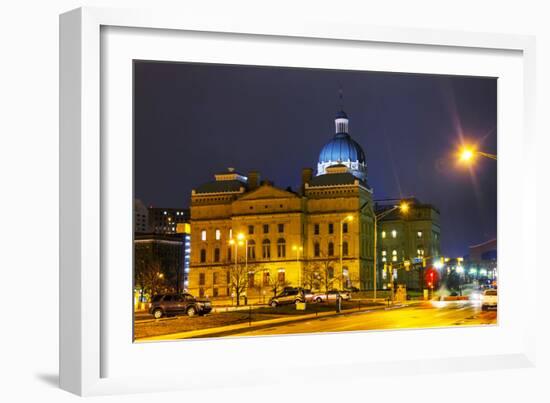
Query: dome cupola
x=342 y=149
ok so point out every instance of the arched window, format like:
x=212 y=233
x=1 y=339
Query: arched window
x=266 y=249
x=203 y=235
x=281 y=276
x=203 y=255
x=316 y=249
x=217 y=255
x=345 y=248
x=331 y=249
x=281 y=248
x=251 y=252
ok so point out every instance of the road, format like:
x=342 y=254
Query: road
x=424 y=315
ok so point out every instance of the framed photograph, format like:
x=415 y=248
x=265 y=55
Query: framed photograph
x=238 y=192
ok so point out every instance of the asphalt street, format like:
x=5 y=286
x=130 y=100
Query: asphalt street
x=425 y=315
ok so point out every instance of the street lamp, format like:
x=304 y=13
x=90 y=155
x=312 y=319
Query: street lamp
x=467 y=154
x=348 y=218
x=298 y=250
x=404 y=208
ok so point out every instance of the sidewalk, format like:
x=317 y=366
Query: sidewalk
x=219 y=331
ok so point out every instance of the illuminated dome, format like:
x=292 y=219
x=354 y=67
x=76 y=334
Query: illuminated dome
x=343 y=150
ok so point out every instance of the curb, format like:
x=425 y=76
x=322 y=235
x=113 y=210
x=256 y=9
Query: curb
x=254 y=325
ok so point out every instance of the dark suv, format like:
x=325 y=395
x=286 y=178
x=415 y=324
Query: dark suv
x=174 y=304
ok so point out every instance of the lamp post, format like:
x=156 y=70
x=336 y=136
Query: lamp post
x=239 y=242
x=348 y=218
x=404 y=207
x=298 y=249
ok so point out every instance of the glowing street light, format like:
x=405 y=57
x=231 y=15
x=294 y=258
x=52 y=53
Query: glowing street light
x=298 y=250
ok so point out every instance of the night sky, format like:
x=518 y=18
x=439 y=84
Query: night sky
x=193 y=120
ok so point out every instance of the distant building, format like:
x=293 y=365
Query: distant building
x=166 y=253
x=141 y=217
x=407 y=237
x=165 y=220
x=481 y=262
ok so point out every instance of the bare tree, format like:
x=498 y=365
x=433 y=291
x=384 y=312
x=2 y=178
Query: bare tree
x=324 y=272
x=149 y=276
x=311 y=276
x=239 y=277
x=277 y=283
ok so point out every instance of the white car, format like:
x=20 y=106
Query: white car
x=331 y=296
x=489 y=299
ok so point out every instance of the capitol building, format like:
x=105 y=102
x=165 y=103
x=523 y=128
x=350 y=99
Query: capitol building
x=319 y=237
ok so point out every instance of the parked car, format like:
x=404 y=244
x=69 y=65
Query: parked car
x=489 y=299
x=331 y=296
x=288 y=296
x=352 y=289
x=178 y=304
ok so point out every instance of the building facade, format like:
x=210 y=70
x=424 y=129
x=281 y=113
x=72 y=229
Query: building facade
x=407 y=239
x=165 y=239
x=160 y=262
x=320 y=236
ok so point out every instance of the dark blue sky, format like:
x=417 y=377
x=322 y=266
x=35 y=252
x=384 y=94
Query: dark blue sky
x=192 y=120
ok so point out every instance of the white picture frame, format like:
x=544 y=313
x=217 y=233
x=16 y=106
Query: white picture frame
x=84 y=185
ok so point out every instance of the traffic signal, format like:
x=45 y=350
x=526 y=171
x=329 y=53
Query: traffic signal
x=431 y=277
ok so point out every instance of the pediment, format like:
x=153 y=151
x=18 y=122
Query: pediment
x=268 y=192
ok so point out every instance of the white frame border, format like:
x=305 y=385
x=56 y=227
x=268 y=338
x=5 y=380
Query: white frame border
x=80 y=165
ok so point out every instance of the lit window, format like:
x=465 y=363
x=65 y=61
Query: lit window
x=394 y=234
x=384 y=259
x=218 y=234
x=394 y=252
x=394 y=259
x=203 y=235
x=165 y=213
x=383 y=234
x=419 y=234
x=383 y=253
x=281 y=248
x=394 y=256
x=230 y=233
